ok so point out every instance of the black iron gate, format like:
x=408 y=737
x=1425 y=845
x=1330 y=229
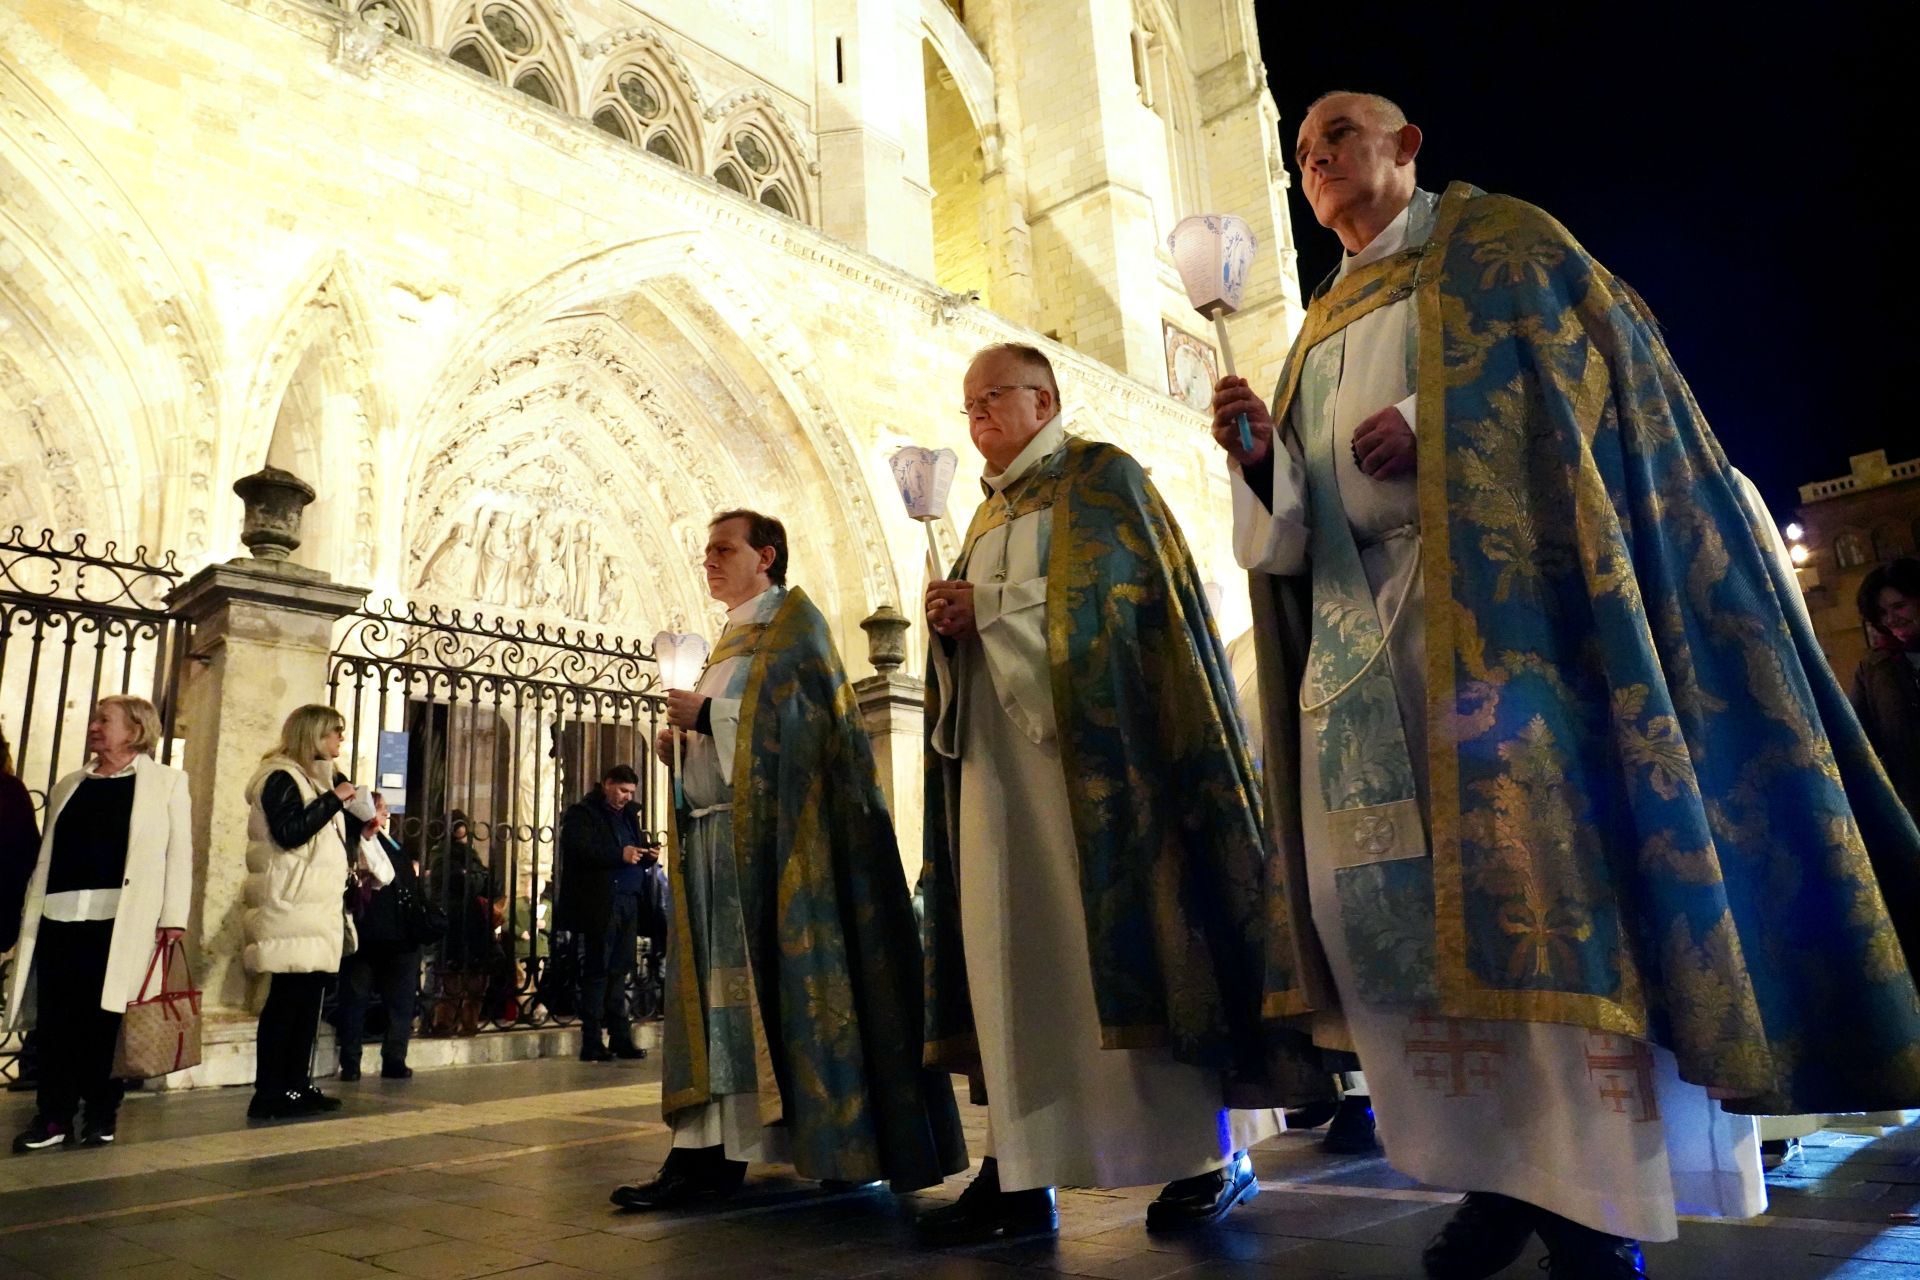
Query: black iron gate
x=76 y=626
x=479 y=732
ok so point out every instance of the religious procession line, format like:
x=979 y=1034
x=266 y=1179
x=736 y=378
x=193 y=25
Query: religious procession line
x=175 y=1155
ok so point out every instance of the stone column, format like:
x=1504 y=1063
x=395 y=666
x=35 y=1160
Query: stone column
x=892 y=708
x=262 y=632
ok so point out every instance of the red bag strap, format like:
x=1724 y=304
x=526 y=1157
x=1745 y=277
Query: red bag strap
x=177 y=951
x=159 y=949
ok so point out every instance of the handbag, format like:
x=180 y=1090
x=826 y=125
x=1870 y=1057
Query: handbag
x=425 y=923
x=160 y=1033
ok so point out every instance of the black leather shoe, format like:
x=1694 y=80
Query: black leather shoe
x=1195 y=1202
x=1351 y=1131
x=692 y=1182
x=985 y=1212
x=276 y=1104
x=1483 y=1237
x=1575 y=1252
x=595 y=1053
x=395 y=1071
x=312 y=1102
x=628 y=1052
x=349 y=1072
x=1311 y=1116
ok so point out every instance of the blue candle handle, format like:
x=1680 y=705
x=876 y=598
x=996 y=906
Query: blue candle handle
x=1246 y=436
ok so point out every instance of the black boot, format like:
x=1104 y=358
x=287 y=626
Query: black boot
x=1195 y=1202
x=1483 y=1237
x=1351 y=1132
x=689 y=1177
x=1575 y=1252
x=985 y=1212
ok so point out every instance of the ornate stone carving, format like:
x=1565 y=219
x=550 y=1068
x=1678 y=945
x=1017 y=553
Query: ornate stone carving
x=886 y=629
x=356 y=42
x=274 y=501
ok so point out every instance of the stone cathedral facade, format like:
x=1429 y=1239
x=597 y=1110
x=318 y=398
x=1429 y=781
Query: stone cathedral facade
x=527 y=288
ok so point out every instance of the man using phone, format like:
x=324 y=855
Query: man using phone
x=604 y=861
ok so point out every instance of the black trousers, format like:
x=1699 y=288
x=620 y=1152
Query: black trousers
x=396 y=975
x=76 y=1036
x=289 y=1021
x=606 y=965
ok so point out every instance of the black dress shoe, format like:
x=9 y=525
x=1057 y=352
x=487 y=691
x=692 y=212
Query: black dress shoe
x=595 y=1053
x=1195 y=1202
x=629 y=1052
x=349 y=1072
x=277 y=1104
x=684 y=1184
x=985 y=1212
x=1483 y=1237
x=1351 y=1132
x=1311 y=1116
x=395 y=1071
x=312 y=1102
x=1575 y=1252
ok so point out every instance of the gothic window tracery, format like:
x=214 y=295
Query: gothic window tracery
x=758 y=164
x=1850 y=549
x=636 y=105
x=504 y=41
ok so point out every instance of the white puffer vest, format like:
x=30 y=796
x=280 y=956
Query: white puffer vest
x=293 y=898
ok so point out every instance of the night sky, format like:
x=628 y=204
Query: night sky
x=1738 y=171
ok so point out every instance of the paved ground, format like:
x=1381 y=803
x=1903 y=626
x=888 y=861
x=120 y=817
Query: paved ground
x=504 y=1170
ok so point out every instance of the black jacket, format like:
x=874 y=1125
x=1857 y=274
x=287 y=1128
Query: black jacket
x=380 y=921
x=589 y=856
x=1886 y=694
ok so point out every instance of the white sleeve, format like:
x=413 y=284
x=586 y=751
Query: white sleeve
x=723 y=716
x=1272 y=540
x=1012 y=621
x=1406 y=411
x=176 y=893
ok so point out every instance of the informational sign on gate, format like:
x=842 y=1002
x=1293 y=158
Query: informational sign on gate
x=391 y=769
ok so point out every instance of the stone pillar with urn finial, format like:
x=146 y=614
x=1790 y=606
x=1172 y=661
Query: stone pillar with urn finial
x=262 y=632
x=892 y=708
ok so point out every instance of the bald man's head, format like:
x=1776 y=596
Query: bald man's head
x=1356 y=154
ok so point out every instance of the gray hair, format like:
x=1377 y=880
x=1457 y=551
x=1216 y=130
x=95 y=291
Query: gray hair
x=1032 y=358
x=1386 y=112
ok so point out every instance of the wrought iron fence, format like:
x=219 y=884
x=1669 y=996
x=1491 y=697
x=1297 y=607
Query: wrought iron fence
x=76 y=625
x=480 y=731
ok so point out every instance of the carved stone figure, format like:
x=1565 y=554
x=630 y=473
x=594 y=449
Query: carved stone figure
x=451 y=567
x=496 y=556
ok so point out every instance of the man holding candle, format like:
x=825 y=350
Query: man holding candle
x=1093 y=912
x=1585 y=842
x=793 y=998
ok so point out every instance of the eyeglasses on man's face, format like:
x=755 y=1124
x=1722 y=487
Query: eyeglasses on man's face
x=991 y=396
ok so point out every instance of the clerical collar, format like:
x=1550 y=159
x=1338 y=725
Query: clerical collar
x=1392 y=239
x=1041 y=447
x=751 y=610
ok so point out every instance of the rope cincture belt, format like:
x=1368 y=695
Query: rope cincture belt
x=710 y=810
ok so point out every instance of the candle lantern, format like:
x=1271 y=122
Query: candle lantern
x=1214 y=254
x=681 y=656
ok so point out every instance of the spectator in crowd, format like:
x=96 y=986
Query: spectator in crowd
x=1886 y=688
x=605 y=865
x=19 y=845
x=388 y=957
x=114 y=879
x=470 y=955
x=296 y=865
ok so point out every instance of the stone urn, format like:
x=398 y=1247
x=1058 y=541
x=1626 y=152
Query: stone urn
x=275 y=500
x=886 y=630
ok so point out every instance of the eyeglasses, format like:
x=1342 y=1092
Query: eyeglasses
x=991 y=396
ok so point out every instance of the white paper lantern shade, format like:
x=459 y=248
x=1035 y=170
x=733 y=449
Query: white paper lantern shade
x=925 y=477
x=681 y=656
x=1214 y=254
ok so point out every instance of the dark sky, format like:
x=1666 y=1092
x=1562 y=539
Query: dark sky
x=1735 y=167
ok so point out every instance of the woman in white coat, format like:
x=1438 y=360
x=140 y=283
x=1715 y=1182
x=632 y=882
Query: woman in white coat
x=114 y=880
x=296 y=880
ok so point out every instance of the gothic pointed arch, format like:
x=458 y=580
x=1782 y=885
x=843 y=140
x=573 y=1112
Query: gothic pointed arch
x=643 y=94
x=758 y=153
x=520 y=43
x=107 y=410
x=314 y=407
x=662 y=349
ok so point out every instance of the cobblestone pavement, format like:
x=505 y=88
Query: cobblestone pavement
x=504 y=1171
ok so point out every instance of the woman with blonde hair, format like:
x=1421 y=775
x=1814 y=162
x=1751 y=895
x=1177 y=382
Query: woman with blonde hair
x=297 y=839
x=114 y=880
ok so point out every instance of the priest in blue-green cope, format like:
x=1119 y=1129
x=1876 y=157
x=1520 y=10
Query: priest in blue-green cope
x=1094 y=851
x=1594 y=846
x=793 y=1001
